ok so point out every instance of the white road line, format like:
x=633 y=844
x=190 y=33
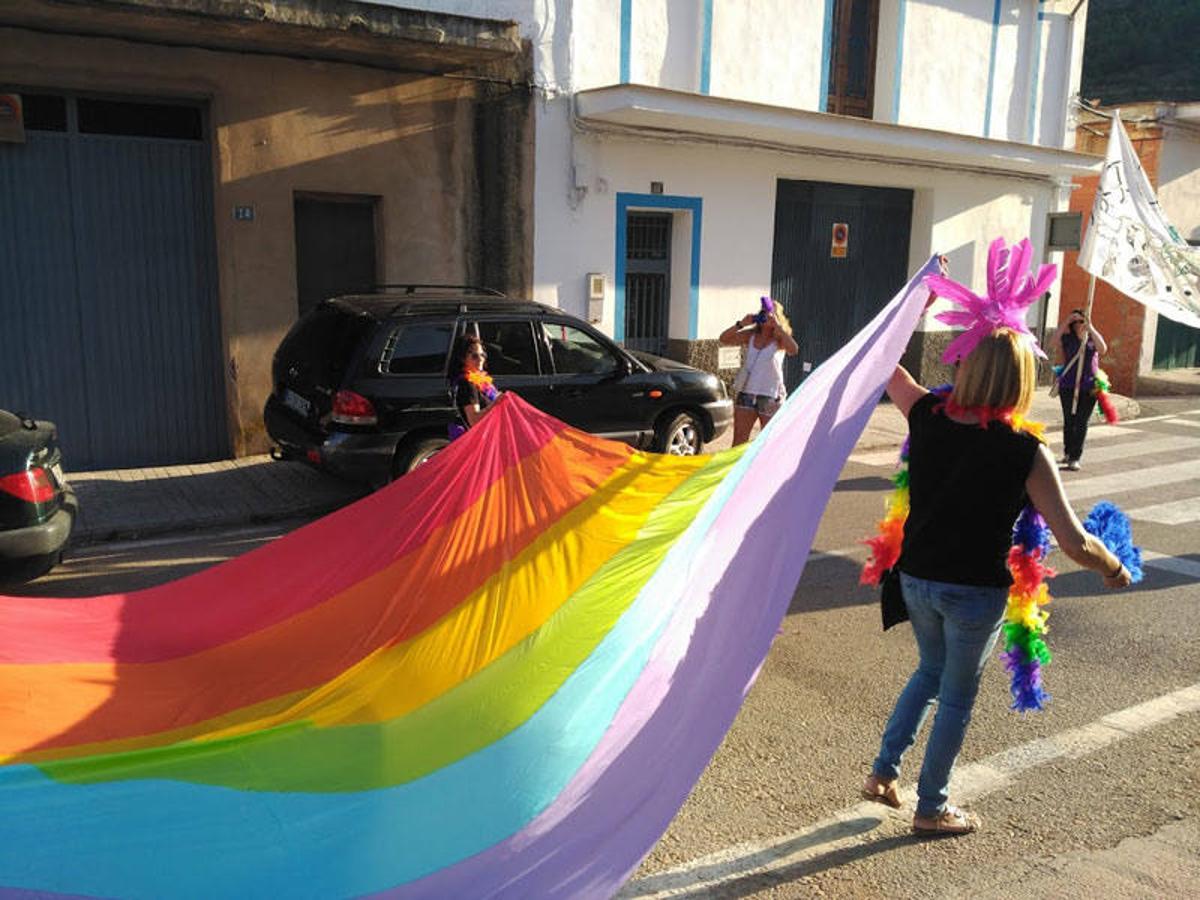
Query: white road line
x=1191 y=423
x=1176 y=512
x=1138 y=479
x=1164 y=417
x=853 y=826
x=1175 y=564
x=887 y=457
x=1142 y=447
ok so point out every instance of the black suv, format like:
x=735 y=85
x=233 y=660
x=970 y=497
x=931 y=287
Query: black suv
x=361 y=383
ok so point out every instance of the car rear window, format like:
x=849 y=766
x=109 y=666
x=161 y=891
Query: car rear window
x=419 y=348
x=324 y=341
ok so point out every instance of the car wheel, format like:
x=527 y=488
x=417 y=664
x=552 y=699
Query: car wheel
x=417 y=454
x=681 y=435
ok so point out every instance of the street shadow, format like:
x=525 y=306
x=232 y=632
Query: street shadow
x=125 y=569
x=863 y=484
x=755 y=882
x=831 y=582
x=1156 y=577
x=696 y=882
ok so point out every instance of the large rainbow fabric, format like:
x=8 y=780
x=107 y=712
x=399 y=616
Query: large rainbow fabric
x=501 y=676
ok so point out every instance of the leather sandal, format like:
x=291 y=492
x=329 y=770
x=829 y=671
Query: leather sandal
x=880 y=791
x=951 y=821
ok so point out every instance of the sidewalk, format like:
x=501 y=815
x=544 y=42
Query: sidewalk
x=123 y=504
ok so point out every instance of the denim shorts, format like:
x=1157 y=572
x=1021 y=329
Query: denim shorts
x=763 y=404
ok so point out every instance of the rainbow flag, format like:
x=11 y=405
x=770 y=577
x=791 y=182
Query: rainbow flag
x=501 y=676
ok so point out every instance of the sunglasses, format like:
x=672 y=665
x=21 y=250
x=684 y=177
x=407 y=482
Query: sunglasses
x=477 y=355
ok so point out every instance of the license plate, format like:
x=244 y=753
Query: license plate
x=296 y=403
x=58 y=475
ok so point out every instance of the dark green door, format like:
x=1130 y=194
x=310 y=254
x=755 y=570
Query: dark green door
x=829 y=292
x=1176 y=346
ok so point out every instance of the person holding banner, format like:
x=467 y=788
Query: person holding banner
x=1081 y=346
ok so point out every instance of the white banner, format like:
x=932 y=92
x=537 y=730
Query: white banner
x=1131 y=245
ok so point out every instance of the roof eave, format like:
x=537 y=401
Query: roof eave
x=657 y=112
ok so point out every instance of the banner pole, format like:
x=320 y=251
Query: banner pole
x=1081 y=355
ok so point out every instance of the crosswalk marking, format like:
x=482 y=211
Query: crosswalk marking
x=887 y=457
x=1097 y=433
x=1175 y=564
x=1126 y=449
x=1153 y=476
x=814 y=847
x=1176 y=512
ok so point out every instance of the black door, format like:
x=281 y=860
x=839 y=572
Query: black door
x=647 y=281
x=827 y=295
x=335 y=247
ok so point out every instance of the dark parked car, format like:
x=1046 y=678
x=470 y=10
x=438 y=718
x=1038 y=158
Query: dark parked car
x=37 y=509
x=361 y=382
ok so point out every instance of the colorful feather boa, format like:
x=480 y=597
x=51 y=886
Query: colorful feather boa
x=1103 y=401
x=483 y=382
x=1100 y=387
x=1025 y=650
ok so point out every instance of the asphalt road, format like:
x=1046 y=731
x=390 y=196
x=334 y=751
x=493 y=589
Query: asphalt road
x=1066 y=795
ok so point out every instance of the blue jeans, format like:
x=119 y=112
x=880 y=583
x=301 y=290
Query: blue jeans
x=956 y=627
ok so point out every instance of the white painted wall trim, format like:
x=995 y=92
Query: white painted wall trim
x=655 y=112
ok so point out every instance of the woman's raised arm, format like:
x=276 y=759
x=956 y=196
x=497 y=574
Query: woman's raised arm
x=1046 y=491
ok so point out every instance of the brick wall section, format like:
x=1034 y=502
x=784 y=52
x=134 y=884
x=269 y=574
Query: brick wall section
x=1117 y=317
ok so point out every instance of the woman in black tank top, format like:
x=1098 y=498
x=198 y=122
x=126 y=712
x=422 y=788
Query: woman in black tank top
x=971 y=473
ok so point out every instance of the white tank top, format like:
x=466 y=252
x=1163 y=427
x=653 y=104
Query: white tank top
x=762 y=372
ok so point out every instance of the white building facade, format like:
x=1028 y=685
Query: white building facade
x=692 y=155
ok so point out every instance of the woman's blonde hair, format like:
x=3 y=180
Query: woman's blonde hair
x=781 y=320
x=1001 y=372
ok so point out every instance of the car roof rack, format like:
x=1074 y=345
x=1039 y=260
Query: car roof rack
x=458 y=288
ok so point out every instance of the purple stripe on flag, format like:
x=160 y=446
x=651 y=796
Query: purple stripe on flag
x=592 y=837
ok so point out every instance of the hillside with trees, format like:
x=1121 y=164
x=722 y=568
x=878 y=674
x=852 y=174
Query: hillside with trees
x=1142 y=50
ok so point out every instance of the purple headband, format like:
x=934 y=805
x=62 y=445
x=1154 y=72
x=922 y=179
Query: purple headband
x=1010 y=290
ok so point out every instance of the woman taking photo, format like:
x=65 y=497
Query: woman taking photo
x=972 y=468
x=758 y=389
x=1081 y=346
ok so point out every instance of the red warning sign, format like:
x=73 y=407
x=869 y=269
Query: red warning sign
x=840 y=243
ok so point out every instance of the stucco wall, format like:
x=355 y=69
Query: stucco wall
x=934 y=59
x=282 y=125
x=769 y=51
x=955 y=214
x=1179 y=179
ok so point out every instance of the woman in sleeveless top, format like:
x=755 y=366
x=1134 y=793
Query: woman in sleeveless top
x=472 y=386
x=970 y=474
x=758 y=388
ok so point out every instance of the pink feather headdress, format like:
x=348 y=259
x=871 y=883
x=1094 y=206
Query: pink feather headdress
x=1010 y=290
